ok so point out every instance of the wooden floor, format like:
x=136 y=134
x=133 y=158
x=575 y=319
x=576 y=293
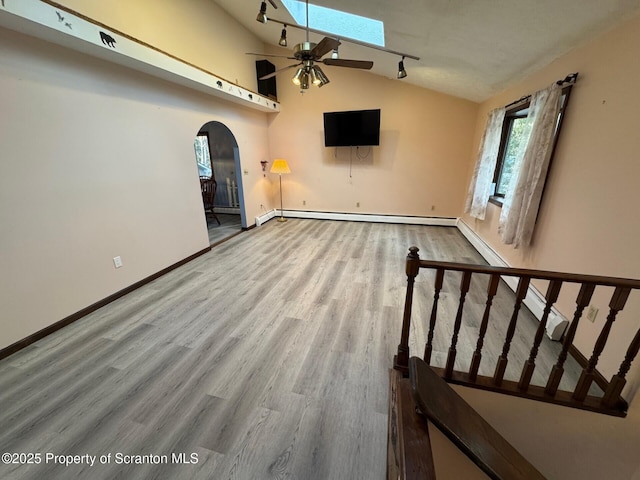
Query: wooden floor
x=268 y=357
x=229 y=226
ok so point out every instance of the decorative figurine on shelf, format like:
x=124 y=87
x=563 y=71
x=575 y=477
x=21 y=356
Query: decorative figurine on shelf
x=108 y=40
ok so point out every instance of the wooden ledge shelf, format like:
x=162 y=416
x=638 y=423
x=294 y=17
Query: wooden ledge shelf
x=57 y=24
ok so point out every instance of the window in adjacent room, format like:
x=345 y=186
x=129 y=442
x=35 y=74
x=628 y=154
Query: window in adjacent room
x=203 y=157
x=514 y=136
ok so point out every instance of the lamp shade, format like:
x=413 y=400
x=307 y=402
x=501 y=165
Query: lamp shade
x=280 y=165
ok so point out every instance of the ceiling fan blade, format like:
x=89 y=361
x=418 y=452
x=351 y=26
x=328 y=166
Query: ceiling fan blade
x=343 y=62
x=266 y=55
x=325 y=46
x=273 y=74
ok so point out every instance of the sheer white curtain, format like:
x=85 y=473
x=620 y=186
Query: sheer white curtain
x=480 y=186
x=522 y=199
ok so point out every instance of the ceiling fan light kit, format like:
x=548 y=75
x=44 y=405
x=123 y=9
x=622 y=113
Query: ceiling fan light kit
x=307 y=53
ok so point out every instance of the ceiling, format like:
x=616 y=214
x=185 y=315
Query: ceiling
x=468 y=48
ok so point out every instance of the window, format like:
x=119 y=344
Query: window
x=513 y=140
x=340 y=24
x=203 y=157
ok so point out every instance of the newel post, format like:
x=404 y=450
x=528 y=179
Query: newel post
x=401 y=361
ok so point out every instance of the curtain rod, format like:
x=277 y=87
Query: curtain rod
x=571 y=78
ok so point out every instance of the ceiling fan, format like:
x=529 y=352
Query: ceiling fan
x=308 y=54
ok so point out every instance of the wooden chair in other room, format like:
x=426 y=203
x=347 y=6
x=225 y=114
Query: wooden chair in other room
x=208 y=187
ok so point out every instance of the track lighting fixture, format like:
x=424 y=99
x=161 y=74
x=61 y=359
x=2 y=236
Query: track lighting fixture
x=283 y=37
x=262 y=14
x=308 y=53
x=401 y=71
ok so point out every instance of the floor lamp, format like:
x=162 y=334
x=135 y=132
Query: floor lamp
x=280 y=166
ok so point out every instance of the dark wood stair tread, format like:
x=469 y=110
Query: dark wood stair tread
x=465 y=427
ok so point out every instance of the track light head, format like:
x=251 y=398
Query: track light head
x=401 y=71
x=262 y=14
x=283 y=37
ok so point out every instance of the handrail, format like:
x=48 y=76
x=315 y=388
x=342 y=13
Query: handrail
x=611 y=403
x=537 y=274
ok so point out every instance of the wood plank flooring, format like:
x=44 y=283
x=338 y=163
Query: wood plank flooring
x=229 y=226
x=267 y=357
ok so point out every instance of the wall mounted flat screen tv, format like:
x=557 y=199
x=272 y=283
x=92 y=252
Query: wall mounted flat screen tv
x=351 y=129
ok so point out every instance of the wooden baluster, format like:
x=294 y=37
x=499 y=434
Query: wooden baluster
x=401 y=361
x=582 y=300
x=492 y=289
x=616 y=304
x=501 y=366
x=530 y=365
x=434 y=312
x=464 y=288
x=618 y=381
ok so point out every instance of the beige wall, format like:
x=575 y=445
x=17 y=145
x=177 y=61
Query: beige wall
x=115 y=160
x=418 y=169
x=196 y=31
x=588 y=222
x=98 y=161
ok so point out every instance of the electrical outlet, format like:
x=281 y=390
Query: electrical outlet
x=304 y=202
x=357 y=204
x=433 y=207
x=117 y=261
x=592 y=313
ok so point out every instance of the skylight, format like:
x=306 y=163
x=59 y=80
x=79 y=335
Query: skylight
x=340 y=24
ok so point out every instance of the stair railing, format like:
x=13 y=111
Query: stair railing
x=610 y=403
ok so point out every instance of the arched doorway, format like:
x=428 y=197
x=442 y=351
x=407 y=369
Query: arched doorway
x=218 y=160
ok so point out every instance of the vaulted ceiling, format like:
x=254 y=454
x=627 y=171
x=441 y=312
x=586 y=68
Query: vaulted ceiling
x=467 y=48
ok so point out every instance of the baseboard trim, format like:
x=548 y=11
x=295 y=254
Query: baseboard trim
x=265 y=217
x=368 y=217
x=489 y=254
x=34 y=337
x=535 y=300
